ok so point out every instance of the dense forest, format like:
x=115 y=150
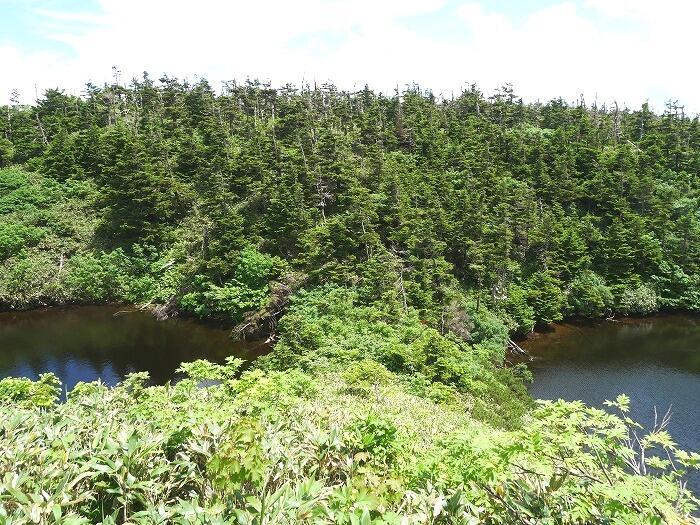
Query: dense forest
x=533 y=211
x=391 y=246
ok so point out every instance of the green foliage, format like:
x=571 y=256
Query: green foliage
x=255 y=269
x=14 y=237
x=677 y=289
x=640 y=300
x=374 y=436
x=22 y=192
x=411 y=198
x=486 y=327
x=203 y=370
x=589 y=296
x=246 y=291
x=28 y=281
x=577 y=465
x=229 y=301
x=279 y=389
x=59 y=158
x=184 y=454
x=546 y=297
x=7 y=152
x=97 y=277
x=519 y=313
x=442 y=394
x=366 y=375
x=239 y=461
x=325 y=329
x=136 y=197
x=26 y=393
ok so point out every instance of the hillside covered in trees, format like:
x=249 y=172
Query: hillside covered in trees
x=536 y=211
x=391 y=246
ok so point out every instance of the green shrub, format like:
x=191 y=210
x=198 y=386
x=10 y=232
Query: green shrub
x=375 y=436
x=517 y=310
x=545 y=294
x=177 y=454
x=589 y=296
x=16 y=237
x=640 y=300
x=239 y=464
x=248 y=290
x=27 y=393
x=99 y=277
x=677 y=289
x=326 y=330
x=366 y=375
x=29 y=281
x=442 y=394
x=229 y=301
x=7 y=152
x=486 y=326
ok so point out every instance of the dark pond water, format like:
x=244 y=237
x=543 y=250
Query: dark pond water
x=656 y=361
x=89 y=342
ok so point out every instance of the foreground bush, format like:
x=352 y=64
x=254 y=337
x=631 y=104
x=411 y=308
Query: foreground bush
x=283 y=447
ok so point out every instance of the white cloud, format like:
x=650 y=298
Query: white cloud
x=555 y=51
x=628 y=50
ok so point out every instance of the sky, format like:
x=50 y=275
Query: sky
x=628 y=51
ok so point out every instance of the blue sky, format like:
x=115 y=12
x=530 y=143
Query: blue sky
x=630 y=51
x=21 y=25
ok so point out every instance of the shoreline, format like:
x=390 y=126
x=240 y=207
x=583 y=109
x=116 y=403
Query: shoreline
x=575 y=323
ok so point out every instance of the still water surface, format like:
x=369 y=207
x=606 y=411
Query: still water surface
x=89 y=342
x=656 y=361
